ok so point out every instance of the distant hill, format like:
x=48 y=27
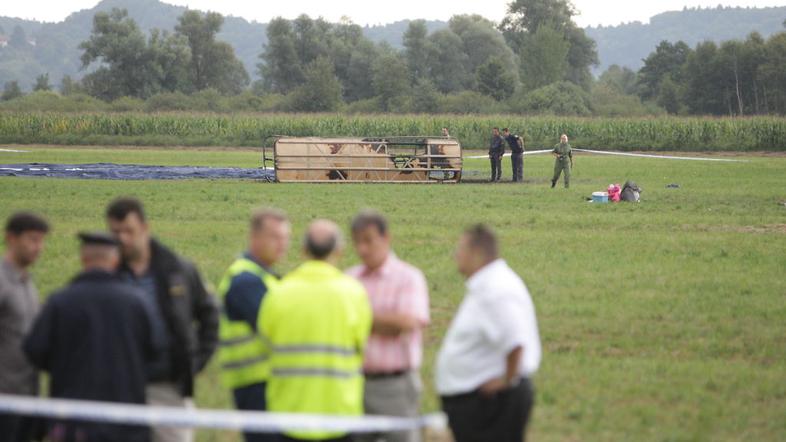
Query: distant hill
x=628 y=44
x=53 y=47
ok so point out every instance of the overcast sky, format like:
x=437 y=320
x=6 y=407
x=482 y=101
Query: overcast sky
x=593 y=12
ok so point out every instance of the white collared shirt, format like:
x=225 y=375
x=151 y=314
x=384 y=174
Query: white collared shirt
x=495 y=317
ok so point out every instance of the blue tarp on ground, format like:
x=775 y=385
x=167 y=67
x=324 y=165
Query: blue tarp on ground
x=108 y=171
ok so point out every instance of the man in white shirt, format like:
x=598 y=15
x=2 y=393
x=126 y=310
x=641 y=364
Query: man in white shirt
x=491 y=349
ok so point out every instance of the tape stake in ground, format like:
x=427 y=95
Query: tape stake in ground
x=246 y=421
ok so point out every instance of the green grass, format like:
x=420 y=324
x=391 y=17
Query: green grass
x=659 y=321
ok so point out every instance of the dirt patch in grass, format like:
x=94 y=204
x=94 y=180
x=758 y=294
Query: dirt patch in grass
x=760 y=230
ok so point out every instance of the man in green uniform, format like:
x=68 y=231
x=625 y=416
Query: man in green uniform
x=563 y=162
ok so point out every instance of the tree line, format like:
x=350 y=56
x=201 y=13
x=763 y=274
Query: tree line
x=537 y=60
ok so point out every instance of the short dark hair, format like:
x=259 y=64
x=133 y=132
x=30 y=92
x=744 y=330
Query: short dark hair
x=120 y=208
x=370 y=218
x=261 y=216
x=320 y=249
x=21 y=222
x=506 y=130
x=481 y=237
x=495 y=128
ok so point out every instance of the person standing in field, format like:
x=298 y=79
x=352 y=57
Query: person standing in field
x=445 y=132
x=491 y=349
x=496 y=152
x=185 y=314
x=243 y=354
x=399 y=300
x=516 y=144
x=95 y=340
x=317 y=321
x=25 y=233
x=563 y=161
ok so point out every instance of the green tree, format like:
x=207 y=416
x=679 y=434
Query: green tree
x=704 y=90
x=170 y=61
x=42 y=83
x=11 y=90
x=360 y=72
x=390 y=79
x=773 y=74
x=668 y=96
x=482 y=41
x=448 y=62
x=213 y=63
x=69 y=86
x=321 y=91
x=280 y=67
x=525 y=17
x=563 y=98
x=494 y=80
x=425 y=97
x=621 y=79
x=118 y=44
x=544 y=58
x=667 y=59
x=417 y=50
x=311 y=38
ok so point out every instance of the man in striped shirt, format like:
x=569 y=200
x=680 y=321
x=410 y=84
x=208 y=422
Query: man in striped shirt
x=398 y=294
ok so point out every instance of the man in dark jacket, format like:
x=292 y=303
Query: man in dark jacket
x=516 y=144
x=496 y=152
x=94 y=339
x=186 y=315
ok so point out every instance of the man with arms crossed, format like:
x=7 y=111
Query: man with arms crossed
x=398 y=294
x=491 y=349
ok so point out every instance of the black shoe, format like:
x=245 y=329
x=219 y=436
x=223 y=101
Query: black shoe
x=553 y=183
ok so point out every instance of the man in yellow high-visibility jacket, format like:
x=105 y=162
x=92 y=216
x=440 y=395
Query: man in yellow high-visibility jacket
x=243 y=354
x=317 y=321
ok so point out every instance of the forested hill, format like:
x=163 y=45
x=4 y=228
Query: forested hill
x=53 y=47
x=628 y=44
x=30 y=48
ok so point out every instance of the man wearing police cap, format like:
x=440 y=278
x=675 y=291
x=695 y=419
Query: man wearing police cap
x=94 y=339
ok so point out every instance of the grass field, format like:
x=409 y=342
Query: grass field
x=661 y=321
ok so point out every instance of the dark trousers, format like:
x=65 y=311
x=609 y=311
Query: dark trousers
x=474 y=417
x=15 y=428
x=496 y=166
x=518 y=167
x=252 y=398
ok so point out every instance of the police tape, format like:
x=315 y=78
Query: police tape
x=624 y=154
x=661 y=157
x=246 y=421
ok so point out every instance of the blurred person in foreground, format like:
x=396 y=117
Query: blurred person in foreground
x=95 y=340
x=185 y=315
x=400 y=303
x=317 y=321
x=25 y=233
x=492 y=347
x=244 y=354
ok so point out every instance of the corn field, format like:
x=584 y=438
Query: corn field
x=662 y=133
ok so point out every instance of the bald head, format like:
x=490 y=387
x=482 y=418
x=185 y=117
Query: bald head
x=323 y=240
x=99 y=257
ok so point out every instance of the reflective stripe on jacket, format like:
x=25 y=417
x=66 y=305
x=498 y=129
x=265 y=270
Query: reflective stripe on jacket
x=317 y=321
x=243 y=354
